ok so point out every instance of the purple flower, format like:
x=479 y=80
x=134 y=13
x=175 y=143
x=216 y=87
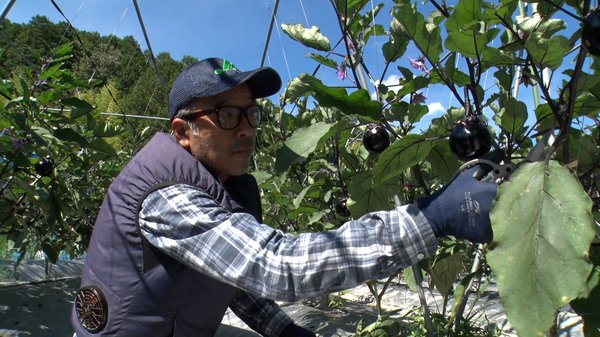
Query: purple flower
x=351 y=46
x=525 y=80
x=418 y=98
x=419 y=64
x=341 y=73
x=17 y=143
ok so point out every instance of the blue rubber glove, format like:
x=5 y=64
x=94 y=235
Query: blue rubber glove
x=461 y=208
x=294 y=330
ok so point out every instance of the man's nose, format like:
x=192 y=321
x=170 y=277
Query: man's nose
x=245 y=129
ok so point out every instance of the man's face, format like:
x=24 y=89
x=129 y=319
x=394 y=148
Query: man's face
x=226 y=152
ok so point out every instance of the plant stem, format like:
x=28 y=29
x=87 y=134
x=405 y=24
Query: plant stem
x=343 y=28
x=560 y=8
x=441 y=74
x=419 y=175
x=463 y=299
x=338 y=165
x=442 y=9
x=565 y=122
x=423 y=300
x=419 y=280
x=545 y=91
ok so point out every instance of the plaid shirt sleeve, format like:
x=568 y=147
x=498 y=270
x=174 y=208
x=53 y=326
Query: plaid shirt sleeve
x=192 y=227
x=261 y=314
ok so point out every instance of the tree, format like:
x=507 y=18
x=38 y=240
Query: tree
x=55 y=161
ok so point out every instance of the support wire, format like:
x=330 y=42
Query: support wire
x=6 y=9
x=152 y=58
x=262 y=62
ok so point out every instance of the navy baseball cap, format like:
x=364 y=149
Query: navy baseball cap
x=213 y=76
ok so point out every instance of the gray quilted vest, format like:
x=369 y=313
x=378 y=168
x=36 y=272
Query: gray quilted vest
x=128 y=287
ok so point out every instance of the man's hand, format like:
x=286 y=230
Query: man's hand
x=294 y=330
x=461 y=208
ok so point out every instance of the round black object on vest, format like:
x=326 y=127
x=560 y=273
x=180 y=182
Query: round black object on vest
x=91 y=308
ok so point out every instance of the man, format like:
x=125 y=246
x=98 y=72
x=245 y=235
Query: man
x=179 y=237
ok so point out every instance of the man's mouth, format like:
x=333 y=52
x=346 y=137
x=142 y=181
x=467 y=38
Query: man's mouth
x=243 y=151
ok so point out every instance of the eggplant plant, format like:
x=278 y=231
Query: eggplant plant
x=541 y=114
x=57 y=156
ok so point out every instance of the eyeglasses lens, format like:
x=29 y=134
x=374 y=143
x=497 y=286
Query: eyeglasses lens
x=230 y=117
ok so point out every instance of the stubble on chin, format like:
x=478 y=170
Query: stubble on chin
x=221 y=163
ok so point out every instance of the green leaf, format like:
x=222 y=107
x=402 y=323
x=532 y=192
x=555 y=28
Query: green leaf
x=42 y=136
x=397 y=44
x=464 y=14
x=368 y=196
x=453 y=73
x=505 y=80
x=261 y=176
x=512 y=116
x=413 y=85
x=50 y=251
x=504 y=10
x=412 y=24
x=70 y=135
x=300 y=145
x=545 y=117
x=409 y=277
x=49 y=203
x=465 y=35
x=408 y=151
x=541 y=26
x=53 y=71
x=350 y=6
x=443 y=162
x=415 y=113
x=78 y=107
x=547 y=52
x=541 y=214
x=375 y=30
x=498 y=57
x=103 y=147
x=323 y=60
x=444 y=272
x=587 y=307
x=107 y=130
x=587 y=152
x=64 y=50
x=586 y=104
x=297 y=88
x=6 y=145
x=311 y=38
x=298 y=199
x=359 y=103
x=585 y=82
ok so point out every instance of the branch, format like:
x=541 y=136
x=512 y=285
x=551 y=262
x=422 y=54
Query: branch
x=566 y=118
x=560 y=8
x=442 y=8
x=343 y=28
x=545 y=91
x=442 y=76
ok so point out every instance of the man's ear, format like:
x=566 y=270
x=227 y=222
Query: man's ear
x=181 y=130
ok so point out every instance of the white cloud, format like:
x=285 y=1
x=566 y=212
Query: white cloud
x=435 y=108
x=392 y=82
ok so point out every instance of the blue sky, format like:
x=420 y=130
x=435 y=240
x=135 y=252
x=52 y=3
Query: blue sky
x=232 y=29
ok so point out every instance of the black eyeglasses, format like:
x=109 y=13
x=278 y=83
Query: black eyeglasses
x=229 y=117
